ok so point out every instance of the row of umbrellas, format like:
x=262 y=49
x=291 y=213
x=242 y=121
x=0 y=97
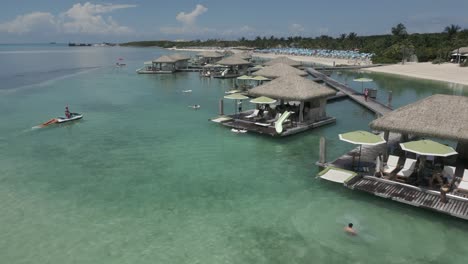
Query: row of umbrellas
x=424 y=147
x=343 y=54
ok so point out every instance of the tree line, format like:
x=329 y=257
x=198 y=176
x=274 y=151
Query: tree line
x=390 y=48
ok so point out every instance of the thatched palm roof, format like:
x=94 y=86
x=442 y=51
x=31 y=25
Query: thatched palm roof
x=164 y=59
x=292 y=88
x=463 y=50
x=233 y=60
x=284 y=60
x=243 y=55
x=440 y=116
x=278 y=70
x=180 y=56
x=210 y=54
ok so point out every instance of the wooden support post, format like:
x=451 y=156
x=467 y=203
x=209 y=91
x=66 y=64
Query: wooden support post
x=387 y=146
x=322 y=151
x=389 y=104
x=301 y=112
x=221 y=107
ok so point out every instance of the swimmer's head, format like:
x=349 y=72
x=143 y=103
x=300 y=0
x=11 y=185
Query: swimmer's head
x=350 y=225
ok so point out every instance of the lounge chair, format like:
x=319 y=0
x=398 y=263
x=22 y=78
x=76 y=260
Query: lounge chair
x=448 y=172
x=408 y=168
x=279 y=122
x=463 y=186
x=392 y=164
x=253 y=114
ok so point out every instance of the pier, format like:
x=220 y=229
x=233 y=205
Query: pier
x=373 y=105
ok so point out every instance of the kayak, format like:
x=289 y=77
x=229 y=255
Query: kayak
x=74 y=116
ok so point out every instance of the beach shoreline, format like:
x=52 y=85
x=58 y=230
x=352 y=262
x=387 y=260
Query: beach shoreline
x=446 y=72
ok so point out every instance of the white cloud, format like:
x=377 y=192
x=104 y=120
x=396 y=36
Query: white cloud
x=80 y=18
x=189 y=26
x=190 y=18
x=296 y=28
x=29 y=22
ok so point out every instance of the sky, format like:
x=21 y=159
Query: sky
x=35 y=21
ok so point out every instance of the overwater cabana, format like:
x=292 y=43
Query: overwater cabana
x=279 y=70
x=181 y=61
x=234 y=67
x=163 y=64
x=301 y=105
x=209 y=57
x=283 y=60
x=243 y=55
x=416 y=171
x=438 y=116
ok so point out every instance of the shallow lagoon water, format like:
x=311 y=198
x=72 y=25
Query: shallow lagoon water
x=143 y=178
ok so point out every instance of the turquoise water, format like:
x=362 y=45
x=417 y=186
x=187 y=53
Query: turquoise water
x=145 y=179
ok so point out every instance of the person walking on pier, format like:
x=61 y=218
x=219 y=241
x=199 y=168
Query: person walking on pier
x=366 y=94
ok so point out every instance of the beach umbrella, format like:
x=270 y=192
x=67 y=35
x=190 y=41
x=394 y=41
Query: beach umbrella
x=427 y=147
x=236 y=96
x=260 y=78
x=245 y=77
x=362 y=81
x=263 y=100
x=360 y=138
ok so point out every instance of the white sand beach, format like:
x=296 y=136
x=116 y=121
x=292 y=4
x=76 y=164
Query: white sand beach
x=446 y=72
x=311 y=59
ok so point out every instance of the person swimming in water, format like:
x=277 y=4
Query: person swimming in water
x=350 y=230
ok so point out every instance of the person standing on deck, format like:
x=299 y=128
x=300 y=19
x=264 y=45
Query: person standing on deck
x=366 y=94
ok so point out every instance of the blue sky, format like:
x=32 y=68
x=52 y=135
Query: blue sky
x=124 y=20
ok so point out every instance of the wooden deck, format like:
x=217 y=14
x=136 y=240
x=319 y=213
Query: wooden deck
x=408 y=194
x=373 y=105
x=240 y=122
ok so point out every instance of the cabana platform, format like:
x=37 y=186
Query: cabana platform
x=404 y=193
x=363 y=180
x=437 y=116
x=236 y=121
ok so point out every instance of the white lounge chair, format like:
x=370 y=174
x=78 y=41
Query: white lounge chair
x=392 y=164
x=408 y=168
x=448 y=172
x=463 y=186
x=254 y=114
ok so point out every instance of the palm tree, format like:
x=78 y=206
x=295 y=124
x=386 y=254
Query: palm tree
x=399 y=30
x=452 y=30
x=342 y=37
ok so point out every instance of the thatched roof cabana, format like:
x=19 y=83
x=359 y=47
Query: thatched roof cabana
x=180 y=56
x=462 y=50
x=292 y=88
x=233 y=60
x=243 y=55
x=164 y=59
x=284 y=60
x=278 y=70
x=440 y=116
x=210 y=54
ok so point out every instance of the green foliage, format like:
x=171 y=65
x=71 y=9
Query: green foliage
x=387 y=48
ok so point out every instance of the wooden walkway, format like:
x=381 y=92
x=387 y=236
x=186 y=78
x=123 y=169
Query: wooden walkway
x=408 y=194
x=373 y=105
x=346 y=67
